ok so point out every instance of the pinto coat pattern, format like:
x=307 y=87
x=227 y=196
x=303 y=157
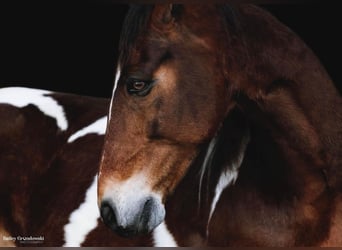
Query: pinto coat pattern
x=224 y=130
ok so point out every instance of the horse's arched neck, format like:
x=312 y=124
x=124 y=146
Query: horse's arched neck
x=282 y=86
x=298 y=114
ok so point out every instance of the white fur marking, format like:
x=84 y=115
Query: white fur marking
x=207 y=161
x=129 y=195
x=117 y=77
x=21 y=97
x=98 y=127
x=162 y=237
x=83 y=219
x=228 y=176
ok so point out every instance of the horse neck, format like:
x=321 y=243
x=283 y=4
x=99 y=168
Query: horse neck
x=215 y=168
x=285 y=89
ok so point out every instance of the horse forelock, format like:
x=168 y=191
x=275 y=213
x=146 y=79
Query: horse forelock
x=135 y=24
x=231 y=16
x=138 y=18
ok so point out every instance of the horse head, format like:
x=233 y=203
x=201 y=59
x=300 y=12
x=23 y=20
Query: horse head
x=182 y=70
x=170 y=97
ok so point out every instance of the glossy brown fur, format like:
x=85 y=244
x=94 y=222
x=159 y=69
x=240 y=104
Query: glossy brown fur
x=43 y=178
x=222 y=71
x=176 y=122
x=291 y=177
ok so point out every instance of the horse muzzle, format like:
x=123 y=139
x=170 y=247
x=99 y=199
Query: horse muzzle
x=129 y=219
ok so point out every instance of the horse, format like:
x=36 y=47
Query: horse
x=223 y=127
x=50 y=148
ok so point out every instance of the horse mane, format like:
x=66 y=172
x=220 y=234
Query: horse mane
x=231 y=17
x=138 y=16
x=135 y=24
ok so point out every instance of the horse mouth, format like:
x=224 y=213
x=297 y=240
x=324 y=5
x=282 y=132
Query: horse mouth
x=126 y=232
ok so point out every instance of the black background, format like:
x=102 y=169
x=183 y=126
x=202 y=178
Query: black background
x=71 y=46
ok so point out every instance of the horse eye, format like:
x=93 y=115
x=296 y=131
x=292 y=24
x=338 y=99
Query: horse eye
x=139 y=87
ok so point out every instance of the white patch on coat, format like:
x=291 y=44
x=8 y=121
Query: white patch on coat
x=97 y=127
x=206 y=163
x=82 y=220
x=162 y=237
x=21 y=97
x=228 y=176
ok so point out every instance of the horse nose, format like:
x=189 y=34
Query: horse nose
x=143 y=219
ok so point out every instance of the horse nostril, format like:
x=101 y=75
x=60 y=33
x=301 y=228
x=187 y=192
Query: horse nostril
x=108 y=215
x=148 y=206
x=146 y=216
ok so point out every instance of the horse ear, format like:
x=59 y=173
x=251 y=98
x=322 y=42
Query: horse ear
x=163 y=14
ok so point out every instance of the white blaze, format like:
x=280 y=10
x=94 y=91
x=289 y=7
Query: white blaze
x=117 y=77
